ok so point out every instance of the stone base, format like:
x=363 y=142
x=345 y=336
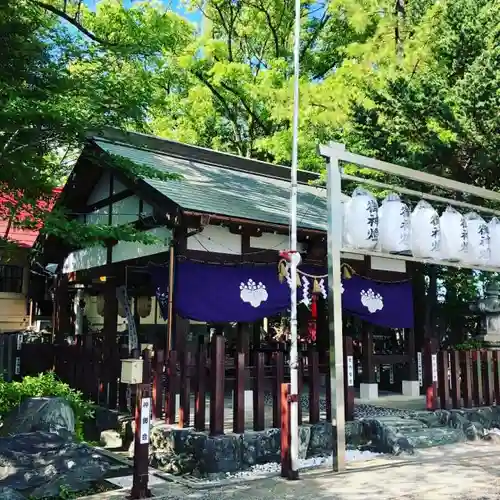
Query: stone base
x=368 y=391
x=411 y=388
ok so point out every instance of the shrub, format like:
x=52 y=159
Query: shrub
x=45 y=385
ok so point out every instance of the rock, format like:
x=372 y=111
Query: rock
x=40 y=414
x=304 y=438
x=493 y=437
x=259 y=447
x=35 y=460
x=10 y=494
x=174 y=464
x=355 y=434
x=218 y=454
x=321 y=440
x=79 y=478
x=110 y=439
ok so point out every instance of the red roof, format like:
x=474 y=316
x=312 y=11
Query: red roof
x=23 y=237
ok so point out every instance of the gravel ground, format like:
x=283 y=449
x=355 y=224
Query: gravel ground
x=458 y=472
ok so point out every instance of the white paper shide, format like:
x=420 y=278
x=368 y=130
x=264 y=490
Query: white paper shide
x=425 y=231
x=454 y=235
x=394 y=225
x=361 y=220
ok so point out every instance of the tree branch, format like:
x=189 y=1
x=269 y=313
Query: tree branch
x=63 y=15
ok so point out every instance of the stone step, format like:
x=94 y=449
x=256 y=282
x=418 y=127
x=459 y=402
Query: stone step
x=397 y=435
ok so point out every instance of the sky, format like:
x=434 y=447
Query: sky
x=176 y=5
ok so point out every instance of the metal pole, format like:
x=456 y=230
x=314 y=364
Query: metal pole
x=335 y=308
x=294 y=365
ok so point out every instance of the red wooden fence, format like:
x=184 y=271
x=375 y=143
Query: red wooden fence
x=203 y=375
x=468 y=379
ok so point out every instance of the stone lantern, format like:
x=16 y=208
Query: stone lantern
x=489 y=308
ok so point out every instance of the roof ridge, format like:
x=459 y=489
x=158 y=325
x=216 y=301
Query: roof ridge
x=199 y=154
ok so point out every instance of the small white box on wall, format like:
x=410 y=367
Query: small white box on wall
x=131 y=371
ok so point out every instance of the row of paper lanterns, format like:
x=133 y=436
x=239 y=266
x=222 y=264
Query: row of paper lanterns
x=393 y=228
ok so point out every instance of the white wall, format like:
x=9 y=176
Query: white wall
x=126 y=250
x=85 y=259
x=215 y=239
x=101 y=189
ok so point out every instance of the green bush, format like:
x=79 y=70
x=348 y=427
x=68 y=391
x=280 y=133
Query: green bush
x=45 y=385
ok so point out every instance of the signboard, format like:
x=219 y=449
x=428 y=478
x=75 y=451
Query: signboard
x=350 y=371
x=19 y=341
x=434 y=367
x=122 y=296
x=377 y=374
x=17 y=366
x=145 y=420
x=420 y=371
x=391 y=374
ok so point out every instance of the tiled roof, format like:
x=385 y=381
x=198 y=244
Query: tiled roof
x=225 y=191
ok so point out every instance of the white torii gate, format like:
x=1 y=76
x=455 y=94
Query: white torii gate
x=336 y=153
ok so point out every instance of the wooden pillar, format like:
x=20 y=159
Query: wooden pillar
x=243 y=341
x=368 y=387
x=62 y=318
x=181 y=330
x=110 y=346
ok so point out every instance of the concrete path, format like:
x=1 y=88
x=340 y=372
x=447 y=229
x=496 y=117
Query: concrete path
x=456 y=472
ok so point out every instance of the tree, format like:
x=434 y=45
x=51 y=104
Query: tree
x=56 y=85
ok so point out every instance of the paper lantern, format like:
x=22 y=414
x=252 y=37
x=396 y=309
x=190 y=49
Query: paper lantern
x=454 y=235
x=361 y=220
x=478 y=245
x=100 y=304
x=425 y=232
x=144 y=306
x=394 y=225
x=494 y=230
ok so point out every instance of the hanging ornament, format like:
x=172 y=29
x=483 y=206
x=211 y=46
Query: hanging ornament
x=394 y=225
x=361 y=220
x=316 y=288
x=425 y=231
x=478 y=239
x=314 y=306
x=454 y=235
x=311 y=331
x=347 y=271
x=494 y=231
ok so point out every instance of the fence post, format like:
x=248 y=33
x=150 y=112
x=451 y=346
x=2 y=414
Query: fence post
x=349 y=379
x=239 y=394
x=171 y=388
x=444 y=387
x=141 y=446
x=489 y=382
x=258 y=394
x=300 y=377
x=313 y=386
x=467 y=378
x=199 y=410
x=496 y=375
x=279 y=378
x=431 y=370
x=456 y=390
x=217 y=374
x=477 y=379
x=185 y=390
x=159 y=363
x=328 y=382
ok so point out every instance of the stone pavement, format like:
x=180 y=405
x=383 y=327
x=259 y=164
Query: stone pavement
x=457 y=472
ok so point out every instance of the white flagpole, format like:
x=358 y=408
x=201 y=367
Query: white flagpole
x=294 y=358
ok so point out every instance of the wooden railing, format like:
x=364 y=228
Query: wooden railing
x=207 y=374
x=468 y=378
